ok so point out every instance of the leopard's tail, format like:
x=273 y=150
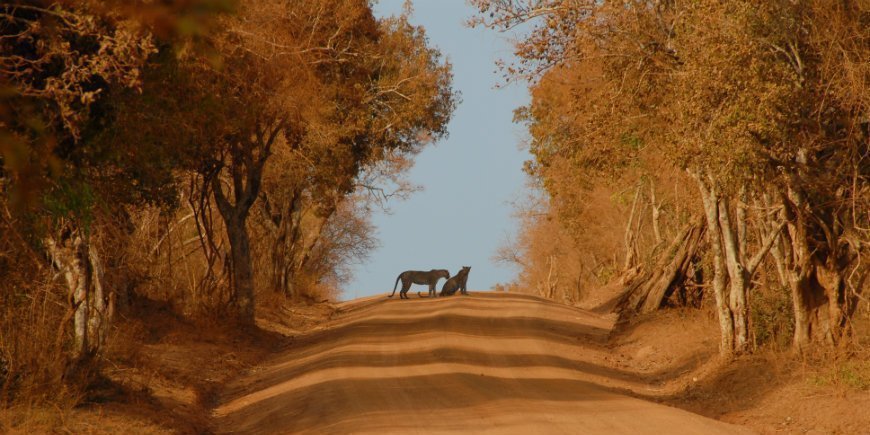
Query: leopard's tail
x=396 y=285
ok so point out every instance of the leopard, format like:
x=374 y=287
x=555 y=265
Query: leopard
x=457 y=282
x=409 y=277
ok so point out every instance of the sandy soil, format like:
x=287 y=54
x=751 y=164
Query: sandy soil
x=485 y=363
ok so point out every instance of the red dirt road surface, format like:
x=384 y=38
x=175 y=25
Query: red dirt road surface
x=484 y=363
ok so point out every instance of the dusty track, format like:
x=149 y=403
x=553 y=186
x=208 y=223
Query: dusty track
x=484 y=363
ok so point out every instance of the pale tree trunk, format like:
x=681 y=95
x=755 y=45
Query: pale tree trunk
x=79 y=262
x=81 y=296
x=279 y=251
x=741 y=226
x=820 y=256
x=792 y=257
x=101 y=308
x=817 y=286
x=656 y=214
x=308 y=243
x=631 y=235
x=741 y=269
x=710 y=198
x=730 y=264
x=551 y=283
x=828 y=276
x=738 y=279
x=777 y=249
x=283 y=221
x=69 y=254
x=832 y=276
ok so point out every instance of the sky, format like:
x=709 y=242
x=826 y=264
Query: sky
x=469 y=180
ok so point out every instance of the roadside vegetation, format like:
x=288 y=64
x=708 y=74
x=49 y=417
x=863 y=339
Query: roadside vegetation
x=207 y=156
x=704 y=153
x=710 y=156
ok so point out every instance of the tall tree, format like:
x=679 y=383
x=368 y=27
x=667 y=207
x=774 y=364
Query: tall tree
x=402 y=104
x=323 y=90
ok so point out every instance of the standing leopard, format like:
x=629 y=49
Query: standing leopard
x=429 y=278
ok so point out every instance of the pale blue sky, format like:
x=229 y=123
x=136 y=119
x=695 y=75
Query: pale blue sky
x=463 y=213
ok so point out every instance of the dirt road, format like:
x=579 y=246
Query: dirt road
x=483 y=363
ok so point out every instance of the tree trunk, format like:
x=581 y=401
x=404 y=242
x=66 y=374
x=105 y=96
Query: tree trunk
x=242 y=279
x=656 y=214
x=648 y=291
x=245 y=170
x=284 y=224
x=310 y=242
x=798 y=265
x=800 y=294
x=829 y=278
x=81 y=296
x=631 y=235
x=731 y=265
x=710 y=198
x=738 y=278
x=100 y=306
x=777 y=251
x=279 y=253
x=247 y=158
x=242 y=273
x=69 y=254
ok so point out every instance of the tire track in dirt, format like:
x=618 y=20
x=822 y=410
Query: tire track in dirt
x=484 y=363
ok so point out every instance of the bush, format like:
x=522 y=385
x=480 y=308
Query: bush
x=772 y=318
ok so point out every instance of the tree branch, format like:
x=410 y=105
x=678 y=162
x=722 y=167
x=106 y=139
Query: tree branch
x=765 y=247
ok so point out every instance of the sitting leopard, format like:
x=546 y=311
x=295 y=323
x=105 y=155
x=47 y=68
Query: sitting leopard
x=457 y=282
x=409 y=277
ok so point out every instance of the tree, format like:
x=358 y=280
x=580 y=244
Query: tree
x=317 y=91
x=405 y=104
x=738 y=94
x=60 y=60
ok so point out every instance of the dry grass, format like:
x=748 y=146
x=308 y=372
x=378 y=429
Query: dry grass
x=34 y=315
x=163 y=372
x=168 y=349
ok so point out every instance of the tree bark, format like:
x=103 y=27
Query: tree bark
x=297 y=234
x=798 y=266
x=284 y=224
x=631 y=235
x=648 y=291
x=100 y=317
x=242 y=273
x=656 y=214
x=235 y=218
x=710 y=198
x=738 y=279
x=69 y=254
x=777 y=250
x=247 y=158
x=731 y=265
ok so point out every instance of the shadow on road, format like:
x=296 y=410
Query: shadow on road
x=310 y=408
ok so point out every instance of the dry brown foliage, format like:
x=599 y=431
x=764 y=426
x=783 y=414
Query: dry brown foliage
x=143 y=143
x=764 y=104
